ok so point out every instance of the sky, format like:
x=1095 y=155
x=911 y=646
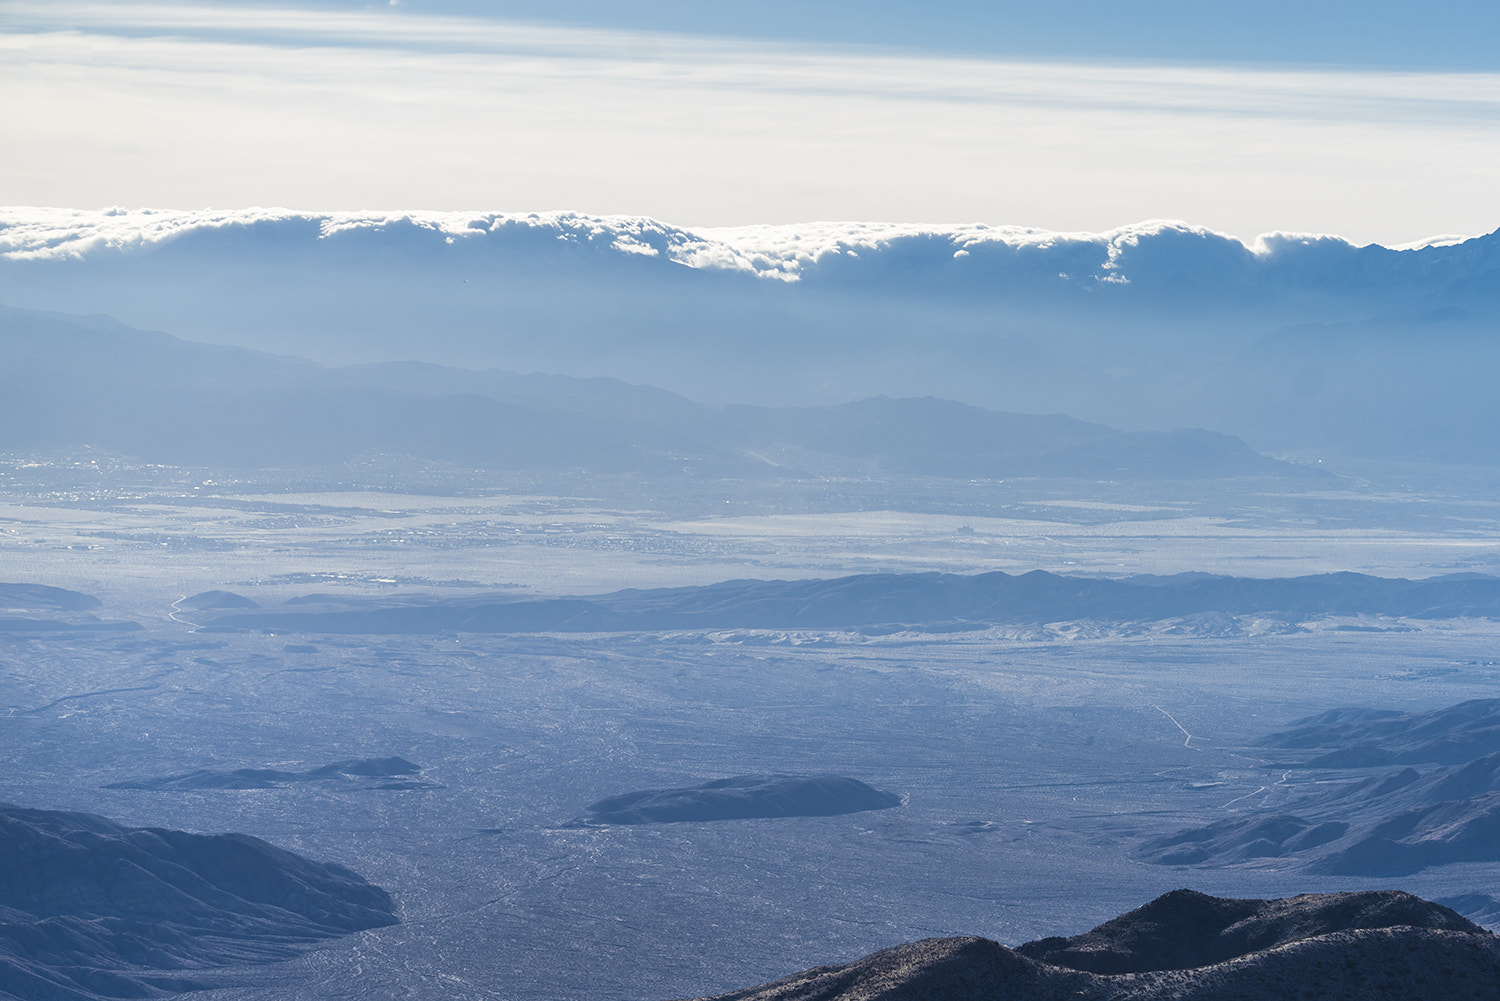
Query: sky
x=1379 y=122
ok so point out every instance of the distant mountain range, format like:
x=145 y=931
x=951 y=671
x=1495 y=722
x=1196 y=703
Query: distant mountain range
x=67 y=381
x=922 y=601
x=1189 y=946
x=1295 y=342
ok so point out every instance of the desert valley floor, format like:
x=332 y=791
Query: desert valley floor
x=1031 y=762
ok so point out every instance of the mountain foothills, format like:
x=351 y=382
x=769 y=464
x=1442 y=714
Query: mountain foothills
x=1294 y=342
x=1391 y=823
x=1361 y=946
x=91 y=909
x=68 y=382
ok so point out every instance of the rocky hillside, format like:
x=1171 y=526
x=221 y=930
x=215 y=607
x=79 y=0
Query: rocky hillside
x=1185 y=945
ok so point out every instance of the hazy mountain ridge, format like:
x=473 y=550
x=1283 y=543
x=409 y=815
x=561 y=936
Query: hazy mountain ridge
x=91 y=909
x=70 y=381
x=913 y=601
x=1186 y=945
x=1293 y=341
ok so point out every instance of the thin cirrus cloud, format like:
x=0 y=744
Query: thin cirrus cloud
x=194 y=105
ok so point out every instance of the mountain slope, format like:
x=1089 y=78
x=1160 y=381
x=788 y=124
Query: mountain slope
x=1185 y=945
x=1362 y=738
x=91 y=909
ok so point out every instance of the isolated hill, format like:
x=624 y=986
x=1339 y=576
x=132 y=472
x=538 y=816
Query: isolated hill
x=67 y=381
x=1185 y=945
x=744 y=797
x=40 y=597
x=1362 y=738
x=1295 y=341
x=215 y=600
x=91 y=909
x=890 y=601
x=38 y=608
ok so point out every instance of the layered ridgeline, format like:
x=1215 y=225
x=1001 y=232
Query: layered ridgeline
x=1295 y=342
x=1184 y=946
x=90 y=909
x=68 y=382
x=886 y=602
x=1378 y=793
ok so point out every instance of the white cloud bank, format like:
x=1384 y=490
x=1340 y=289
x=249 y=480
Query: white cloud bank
x=179 y=106
x=1163 y=252
x=780 y=252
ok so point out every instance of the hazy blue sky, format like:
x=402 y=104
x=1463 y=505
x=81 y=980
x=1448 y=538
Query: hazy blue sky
x=1438 y=34
x=1377 y=121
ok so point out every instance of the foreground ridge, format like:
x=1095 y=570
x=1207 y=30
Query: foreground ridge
x=1365 y=945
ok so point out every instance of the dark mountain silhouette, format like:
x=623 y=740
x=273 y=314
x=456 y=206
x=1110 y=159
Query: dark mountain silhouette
x=1185 y=929
x=67 y=381
x=927 y=600
x=1188 y=946
x=743 y=797
x=91 y=909
x=1362 y=738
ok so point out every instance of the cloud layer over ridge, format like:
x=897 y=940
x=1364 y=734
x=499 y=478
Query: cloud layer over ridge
x=1292 y=342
